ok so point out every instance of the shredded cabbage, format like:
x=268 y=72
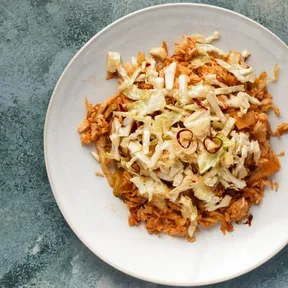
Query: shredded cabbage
x=127 y=82
x=154 y=102
x=199 y=91
x=214 y=104
x=204 y=193
x=227 y=177
x=199 y=123
x=178 y=179
x=174 y=193
x=162 y=123
x=200 y=61
x=189 y=211
x=245 y=53
x=208 y=48
x=136 y=150
x=240 y=101
x=134 y=61
x=158 y=83
x=170 y=75
x=126 y=127
x=225 y=202
x=151 y=73
x=183 y=89
x=242 y=74
x=158 y=152
x=234 y=58
x=211 y=178
x=207 y=160
x=201 y=39
x=228 y=126
x=115 y=138
x=213 y=37
x=132 y=114
x=226 y=142
x=146 y=135
x=148 y=187
x=229 y=90
x=211 y=79
x=135 y=93
x=113 y=61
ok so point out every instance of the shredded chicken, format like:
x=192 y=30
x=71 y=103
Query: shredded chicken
x=281 y=129
x=238 y=210
x=267 y=166
x=93 y=126
x=245 y=121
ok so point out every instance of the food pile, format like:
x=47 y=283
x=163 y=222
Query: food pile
x=185 y=140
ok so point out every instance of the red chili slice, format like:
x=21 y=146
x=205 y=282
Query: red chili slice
x=148 y=64
x=199 y=103
x=217 y=144
x=184 y=137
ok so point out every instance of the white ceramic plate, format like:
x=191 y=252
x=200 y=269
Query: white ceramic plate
x=86 y=201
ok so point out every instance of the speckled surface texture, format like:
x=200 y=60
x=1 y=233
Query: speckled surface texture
x=37 y=40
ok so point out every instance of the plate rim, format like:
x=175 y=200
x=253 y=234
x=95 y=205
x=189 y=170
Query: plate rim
x=53 y=186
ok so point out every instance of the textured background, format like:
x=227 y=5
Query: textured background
x=37 y=40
